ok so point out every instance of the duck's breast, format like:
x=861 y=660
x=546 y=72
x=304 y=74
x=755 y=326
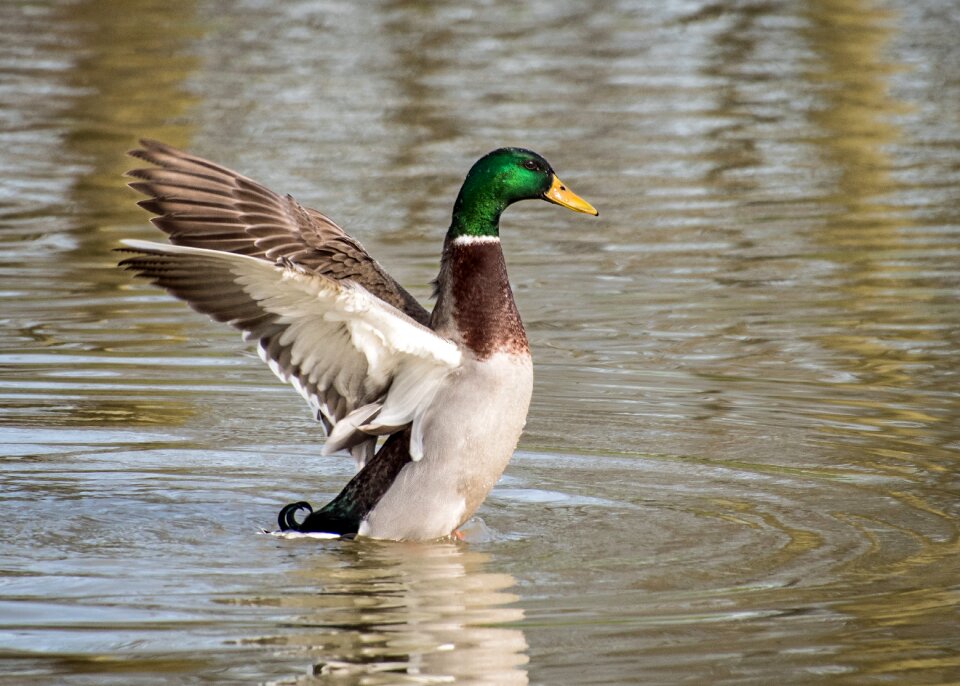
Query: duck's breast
x=470 y=431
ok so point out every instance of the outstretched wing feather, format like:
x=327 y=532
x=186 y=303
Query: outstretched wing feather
x=202 y=204
x=340 y=346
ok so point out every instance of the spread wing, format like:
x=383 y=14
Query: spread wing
x=354 y=358
x=203 y=205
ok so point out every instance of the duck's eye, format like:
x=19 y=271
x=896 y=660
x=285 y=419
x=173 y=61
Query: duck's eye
x=530 y=164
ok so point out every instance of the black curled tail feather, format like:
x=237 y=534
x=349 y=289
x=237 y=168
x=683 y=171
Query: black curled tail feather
x=343 y=514
x=287 y=517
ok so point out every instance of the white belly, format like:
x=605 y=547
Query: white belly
x=470 y=432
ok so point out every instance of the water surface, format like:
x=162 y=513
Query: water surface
x=740 y=462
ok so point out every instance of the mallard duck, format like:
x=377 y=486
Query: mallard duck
x=449 y=389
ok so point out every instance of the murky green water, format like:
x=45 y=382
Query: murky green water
x=741 y=461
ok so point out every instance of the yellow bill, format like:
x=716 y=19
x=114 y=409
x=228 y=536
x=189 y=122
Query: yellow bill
x=561 y=195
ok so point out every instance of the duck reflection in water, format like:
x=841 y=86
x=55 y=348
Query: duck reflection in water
x=395 y=613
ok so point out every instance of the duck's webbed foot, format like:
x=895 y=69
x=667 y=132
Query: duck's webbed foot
x=287 y=517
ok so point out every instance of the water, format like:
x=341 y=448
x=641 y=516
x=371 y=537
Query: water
x=740 y=463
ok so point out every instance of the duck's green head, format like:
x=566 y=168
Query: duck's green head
x=501 y=178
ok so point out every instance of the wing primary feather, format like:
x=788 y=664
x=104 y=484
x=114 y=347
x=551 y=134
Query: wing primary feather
x=327 y=318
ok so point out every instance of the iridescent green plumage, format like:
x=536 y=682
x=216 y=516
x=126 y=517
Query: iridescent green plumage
x=496 y=181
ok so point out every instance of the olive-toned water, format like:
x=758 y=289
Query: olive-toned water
x=740 y=465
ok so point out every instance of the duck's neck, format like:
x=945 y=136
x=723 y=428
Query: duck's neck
x=477 y=209
x=475 y=305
